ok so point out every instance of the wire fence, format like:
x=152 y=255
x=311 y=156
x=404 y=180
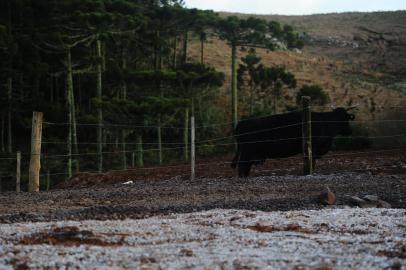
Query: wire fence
x=55 y=155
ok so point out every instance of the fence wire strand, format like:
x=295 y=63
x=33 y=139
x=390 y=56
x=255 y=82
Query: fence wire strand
x=202 y=164
x=205 y=143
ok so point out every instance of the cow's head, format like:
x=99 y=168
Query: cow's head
x=343 y=121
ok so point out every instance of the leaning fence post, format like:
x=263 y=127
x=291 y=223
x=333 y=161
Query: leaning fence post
x=35 y=160
x=192 y=147
x=307 y=136
x=18 y=172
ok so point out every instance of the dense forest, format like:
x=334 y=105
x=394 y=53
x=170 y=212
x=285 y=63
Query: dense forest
x=114 y=80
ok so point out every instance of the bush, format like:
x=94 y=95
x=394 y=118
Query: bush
x=315 y=92
x=359 y=140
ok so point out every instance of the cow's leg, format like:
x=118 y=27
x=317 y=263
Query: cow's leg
x=235 y=160
x=236 y=157
x=244 y=168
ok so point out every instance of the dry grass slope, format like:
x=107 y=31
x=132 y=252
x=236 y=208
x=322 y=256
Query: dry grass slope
x=358 y=58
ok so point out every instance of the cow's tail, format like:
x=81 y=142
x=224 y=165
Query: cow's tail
x=236 y=158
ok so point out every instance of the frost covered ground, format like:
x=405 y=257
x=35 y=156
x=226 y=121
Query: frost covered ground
x=216 y=239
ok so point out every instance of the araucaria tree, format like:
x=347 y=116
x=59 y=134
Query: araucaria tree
x=252 y=33
x=249 y=78
x=115 y=74
x=273 y=80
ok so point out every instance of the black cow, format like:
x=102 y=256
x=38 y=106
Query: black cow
x=280 y=136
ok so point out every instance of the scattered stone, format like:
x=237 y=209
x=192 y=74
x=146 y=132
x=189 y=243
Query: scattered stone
x=383 y=204
x=355 y=200
x=128 y=183
x=362 y=203
x=327 y=197
x=369 y=201
x=371 y=198
x=147 y=260
x=367 y=204
x=186 y=252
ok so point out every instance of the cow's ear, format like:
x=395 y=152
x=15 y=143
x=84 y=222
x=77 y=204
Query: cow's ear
x=351 y=116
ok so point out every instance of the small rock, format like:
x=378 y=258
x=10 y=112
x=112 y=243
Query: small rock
x=367 y=204
x=383 y=204
x=327 y=197
x=186 y=252
x=356 y=200
x=371 y=198
x=147 y=260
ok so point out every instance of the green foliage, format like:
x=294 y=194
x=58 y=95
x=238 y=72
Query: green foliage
x=261 y=83
x=142 y=81
x=276 y=29
x=197 y=75
x=315 y=92
x=359 y=139
x=249 y=32
x=251 y=67
x=138 y=109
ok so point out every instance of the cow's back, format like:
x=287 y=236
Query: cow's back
x=274 y=136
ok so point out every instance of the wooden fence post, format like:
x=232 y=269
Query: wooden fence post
x=140 y=155
x=18 y=172
x=307 y=137
x=48 y=179
x=192 y=147
x=35 y=160
x=124 y=150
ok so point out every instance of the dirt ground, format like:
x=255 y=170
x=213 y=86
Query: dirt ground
x=277 y=185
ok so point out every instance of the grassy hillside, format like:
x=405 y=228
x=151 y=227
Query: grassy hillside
x=373 y=40
x=358 y=58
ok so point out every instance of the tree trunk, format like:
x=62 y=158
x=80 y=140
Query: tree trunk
x=79 y=104
x=202 y=38
x=175 y=52
x=99 y=109
x=124 y=147
x=10 y=94
x=252 y=100
x=124 y=68
x=140 y=158
x=186 y=136
x=116 y=139
x=72 y=112
x=3 y=127
x=51 y=89
x=74 y=131
x=160 y=90
x=56 y=90
x=124 y=96
x=275 y=100
x=69 y=89
x=103 y=56
x=159 y=134
x=185 y=47
x=234 y=93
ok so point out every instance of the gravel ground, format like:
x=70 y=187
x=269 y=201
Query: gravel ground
x=146 y=198
x=162 y=220
x=274 y=186
x=216 y=239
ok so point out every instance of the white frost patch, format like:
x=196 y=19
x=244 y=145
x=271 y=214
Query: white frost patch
x=217 y=239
